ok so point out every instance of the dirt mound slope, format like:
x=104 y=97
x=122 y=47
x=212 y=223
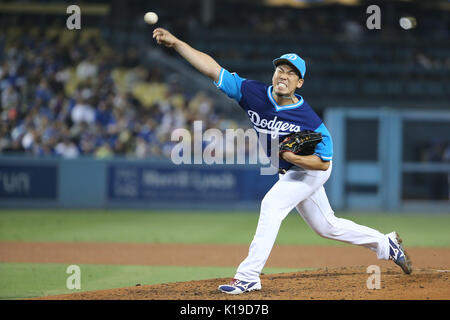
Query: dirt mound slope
x=339 y=272
x=345 y=283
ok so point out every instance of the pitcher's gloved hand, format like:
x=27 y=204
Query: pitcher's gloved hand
x=301 y=143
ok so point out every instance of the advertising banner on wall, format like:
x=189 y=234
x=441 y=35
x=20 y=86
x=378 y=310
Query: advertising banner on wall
x=28 y=181
x=187 y=184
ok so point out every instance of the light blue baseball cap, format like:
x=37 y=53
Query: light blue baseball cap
x=294 y=60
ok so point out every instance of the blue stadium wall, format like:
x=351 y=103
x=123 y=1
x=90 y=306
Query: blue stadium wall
x=119 y=183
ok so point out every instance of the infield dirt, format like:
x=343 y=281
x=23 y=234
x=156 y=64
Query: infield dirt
x=341 y=271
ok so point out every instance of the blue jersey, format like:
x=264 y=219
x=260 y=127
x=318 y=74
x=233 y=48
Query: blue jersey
x=271 y=119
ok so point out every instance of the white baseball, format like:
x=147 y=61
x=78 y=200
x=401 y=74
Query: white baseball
x=151 y=18
x=407 y=22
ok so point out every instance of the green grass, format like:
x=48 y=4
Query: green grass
x=205 y=227
x=23 y=280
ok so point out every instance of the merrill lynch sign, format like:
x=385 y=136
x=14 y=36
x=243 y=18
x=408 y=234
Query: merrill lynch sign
x=171 y=184
x=188 y=179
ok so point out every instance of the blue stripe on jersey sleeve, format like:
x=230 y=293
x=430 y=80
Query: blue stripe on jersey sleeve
x=230 y=84
x=324 y=149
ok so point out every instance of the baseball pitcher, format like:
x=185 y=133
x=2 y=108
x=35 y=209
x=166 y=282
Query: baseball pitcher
x=306 y=152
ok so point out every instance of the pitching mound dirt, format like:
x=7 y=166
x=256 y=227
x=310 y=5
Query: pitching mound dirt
x=341 y=274
x=323 y=284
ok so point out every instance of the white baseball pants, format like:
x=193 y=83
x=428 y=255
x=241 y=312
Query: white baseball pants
x=303 y=189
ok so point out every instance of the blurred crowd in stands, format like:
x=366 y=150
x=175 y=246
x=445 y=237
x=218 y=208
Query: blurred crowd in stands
x=71 y=94
x=338 y=23
x=79 y=97
x=327 y=21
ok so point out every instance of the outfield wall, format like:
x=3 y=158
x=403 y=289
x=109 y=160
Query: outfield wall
x=120 y=183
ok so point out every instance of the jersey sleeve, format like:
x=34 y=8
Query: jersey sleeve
x=230 y=84
x=324 y=150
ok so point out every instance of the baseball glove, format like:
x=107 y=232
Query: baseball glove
x=301 y=143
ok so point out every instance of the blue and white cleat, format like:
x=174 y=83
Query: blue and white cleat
x=238 y=286
x=398 y=254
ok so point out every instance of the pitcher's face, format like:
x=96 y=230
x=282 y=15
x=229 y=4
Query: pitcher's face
x=285 y=80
